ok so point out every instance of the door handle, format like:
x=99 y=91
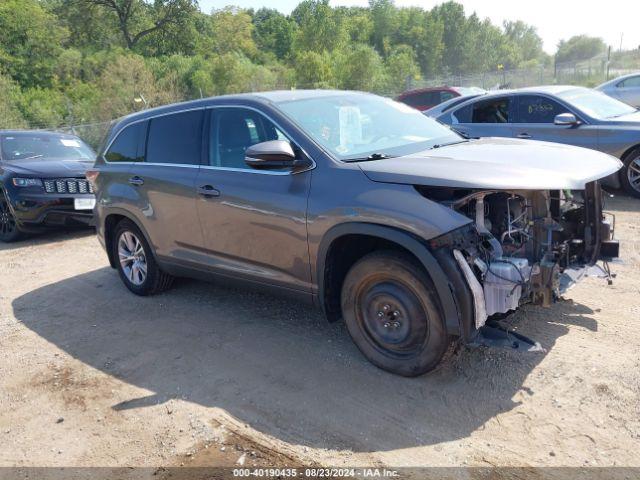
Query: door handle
x=208 y=191
x=136 y=180
x=524 y=135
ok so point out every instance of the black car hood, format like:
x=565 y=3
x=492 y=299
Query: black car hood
x=48 y=167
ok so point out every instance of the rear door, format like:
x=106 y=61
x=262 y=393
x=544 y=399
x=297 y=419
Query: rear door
x=490 y=117
x=164 y=183
x=534 y=120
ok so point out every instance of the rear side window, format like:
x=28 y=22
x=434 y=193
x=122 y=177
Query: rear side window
x=125 y=148
x=537 y=109
x=630 y=82
x=422 y=99
x=462 y=115
x=175 y=138
x=444 y=96
x=494 y=110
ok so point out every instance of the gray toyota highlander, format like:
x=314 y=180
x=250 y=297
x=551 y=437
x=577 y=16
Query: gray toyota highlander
x=382 y=217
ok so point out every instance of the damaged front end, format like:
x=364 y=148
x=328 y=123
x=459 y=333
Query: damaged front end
x=524 y=246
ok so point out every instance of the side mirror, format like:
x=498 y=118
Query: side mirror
x=566 y=119
x=271 y=154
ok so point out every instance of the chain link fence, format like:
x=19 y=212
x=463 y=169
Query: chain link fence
x=588 y=73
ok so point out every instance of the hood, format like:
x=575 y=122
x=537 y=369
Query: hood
x=496 y=163
x=48 y=167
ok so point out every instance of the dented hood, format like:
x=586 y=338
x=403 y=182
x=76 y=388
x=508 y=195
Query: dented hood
x=496 y=163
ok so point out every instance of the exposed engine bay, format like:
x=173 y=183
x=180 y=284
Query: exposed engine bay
x=527 y=246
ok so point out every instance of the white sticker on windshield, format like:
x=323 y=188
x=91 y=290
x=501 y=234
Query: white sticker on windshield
x=350 y=126
x=69 y=143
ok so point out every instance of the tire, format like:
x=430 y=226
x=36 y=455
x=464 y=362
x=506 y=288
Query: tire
x=392 y=313
x=136 y=263
x=9 y=228
x=630 y=173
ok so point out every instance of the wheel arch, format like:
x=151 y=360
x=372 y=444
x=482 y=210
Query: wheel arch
x=111 y=220
x=388 y=236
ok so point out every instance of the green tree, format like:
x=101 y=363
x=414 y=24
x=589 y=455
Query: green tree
x=319 y=27
x=360 y=67
x=401 y=68
x=231 y=30
x=137 y=19
x=384 y=17
x=123 y=81
x=314 y=70
x=525 y=40
x=273 y=32
x=30 y=42
x=10 y=115
x=580 y=47
x=456 y=36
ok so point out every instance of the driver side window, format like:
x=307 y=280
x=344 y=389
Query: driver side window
x=233 y=130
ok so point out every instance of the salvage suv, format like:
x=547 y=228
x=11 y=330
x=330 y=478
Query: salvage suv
x=377 y=214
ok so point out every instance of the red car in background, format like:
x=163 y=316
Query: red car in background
x=425 y=98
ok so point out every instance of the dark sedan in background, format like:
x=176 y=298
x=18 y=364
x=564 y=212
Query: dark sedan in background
x=42 y=182
x=561 y=114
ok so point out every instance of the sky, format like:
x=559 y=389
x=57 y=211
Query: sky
x=554 y=19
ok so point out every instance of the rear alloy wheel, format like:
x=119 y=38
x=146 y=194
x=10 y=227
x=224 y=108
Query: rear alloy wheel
x=132 y=257
x=392 y=313
x=630 y=174
x=9 y=230
x=135 y=262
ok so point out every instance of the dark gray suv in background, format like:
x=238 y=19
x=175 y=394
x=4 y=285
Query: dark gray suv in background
x=362 y=205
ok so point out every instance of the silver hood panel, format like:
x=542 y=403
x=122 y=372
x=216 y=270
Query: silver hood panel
x=497 y=163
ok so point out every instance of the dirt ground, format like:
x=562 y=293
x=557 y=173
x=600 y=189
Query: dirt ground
x=91 y=375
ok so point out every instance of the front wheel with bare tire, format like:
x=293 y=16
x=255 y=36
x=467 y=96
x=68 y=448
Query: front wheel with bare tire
x=392 y=313
x=630 y=173
x=135 y=262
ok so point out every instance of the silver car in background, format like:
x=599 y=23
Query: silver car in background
x=625 y=88
x=561 y=114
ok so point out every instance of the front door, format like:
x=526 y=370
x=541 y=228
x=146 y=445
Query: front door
x=534 y=120
x=253 y=221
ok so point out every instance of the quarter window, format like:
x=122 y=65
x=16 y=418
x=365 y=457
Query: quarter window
x=175 y=138
x=537 y=109
x=233 y=130
x=126 y=146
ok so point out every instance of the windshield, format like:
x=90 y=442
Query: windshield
x=596 y=104
x=23 y=146
x=356 y=126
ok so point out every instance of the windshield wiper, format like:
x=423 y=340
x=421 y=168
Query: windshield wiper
x=32 y=157
x=373 y=156
x=440 y=145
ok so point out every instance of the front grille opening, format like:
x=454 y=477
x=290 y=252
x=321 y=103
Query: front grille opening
x=68 y=185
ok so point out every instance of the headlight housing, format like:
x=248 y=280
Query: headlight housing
x=27 y=182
